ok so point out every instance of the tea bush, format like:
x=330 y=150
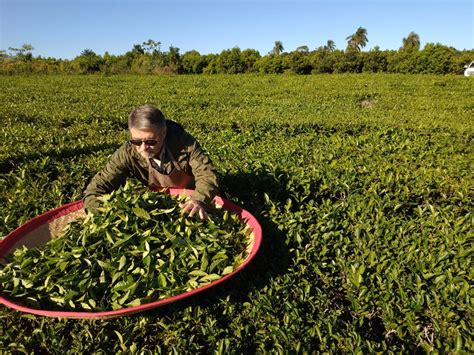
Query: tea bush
x=362 y=184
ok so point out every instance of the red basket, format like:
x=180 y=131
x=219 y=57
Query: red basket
x=42 y=228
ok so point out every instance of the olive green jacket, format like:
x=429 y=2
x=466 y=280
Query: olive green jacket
x=127 y=162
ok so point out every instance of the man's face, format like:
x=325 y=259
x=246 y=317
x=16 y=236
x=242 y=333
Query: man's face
x=155 y=138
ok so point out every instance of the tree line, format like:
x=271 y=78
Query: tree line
x=149 y=58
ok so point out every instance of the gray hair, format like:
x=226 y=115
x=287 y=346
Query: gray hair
x=145 y=117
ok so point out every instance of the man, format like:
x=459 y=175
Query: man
x=160 y=153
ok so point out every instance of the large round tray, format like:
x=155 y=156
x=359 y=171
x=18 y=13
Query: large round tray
x=39 y=230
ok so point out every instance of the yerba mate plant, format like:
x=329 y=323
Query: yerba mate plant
x=362 y=184
x=137 y=248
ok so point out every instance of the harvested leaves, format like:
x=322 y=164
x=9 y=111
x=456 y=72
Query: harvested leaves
x=137 y=249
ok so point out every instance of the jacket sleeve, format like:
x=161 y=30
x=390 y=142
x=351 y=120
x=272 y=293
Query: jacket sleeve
x=204 y=173
x=108 y=179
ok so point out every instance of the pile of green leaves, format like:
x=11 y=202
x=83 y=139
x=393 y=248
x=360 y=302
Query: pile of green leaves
x=138 y=248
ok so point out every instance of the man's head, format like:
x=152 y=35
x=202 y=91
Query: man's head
x=147 y=126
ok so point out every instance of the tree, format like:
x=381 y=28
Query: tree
x=270 y=64
x=151 y=47
x=330 y=46
x=88 y=62
x=173 y=59
x=212 y=64
x=299 y=63
x=374 y=61
x=193 y=62
x=23 y=53
x=249 y=58
x=87 y=53
x=411 y=42
x=324 y=61
x=133 y=55
x=278 y=48
x=350 y=62
x=357 y=41
x=302 y=49
x=435 y=58
x=230 y=61
x=138 y=49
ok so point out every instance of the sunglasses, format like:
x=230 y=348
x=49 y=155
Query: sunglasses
x=139 y=142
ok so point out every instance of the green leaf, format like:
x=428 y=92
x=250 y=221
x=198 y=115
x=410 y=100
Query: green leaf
x=122 y=262
x=124 y=298
x=134 y=303
x=16 y=282
x=204 y=261
x=140 y=212
x=85 y=306
x=162 y=280
x=197 y=273
x=227 y=270
x=59 y=300
x=209 y=278
x=26 y=283
x=120 y=338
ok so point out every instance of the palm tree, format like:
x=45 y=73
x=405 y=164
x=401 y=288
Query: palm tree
x=357 y=41
x=411 y=42
x=330 y=46
x=278 y=48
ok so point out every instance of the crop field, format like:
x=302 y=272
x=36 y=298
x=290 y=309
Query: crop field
x=363 y=185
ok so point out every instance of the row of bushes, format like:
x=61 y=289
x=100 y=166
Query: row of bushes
x=433 y=59
x=362 y=185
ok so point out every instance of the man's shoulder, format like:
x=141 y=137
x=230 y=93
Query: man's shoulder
x=177 y=134
x=174 y=128
x=124 y=150
x=125 y=154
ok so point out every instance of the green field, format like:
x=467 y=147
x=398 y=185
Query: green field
x=362 y=184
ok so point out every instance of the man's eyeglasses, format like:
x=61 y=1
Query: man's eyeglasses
x=139 y=142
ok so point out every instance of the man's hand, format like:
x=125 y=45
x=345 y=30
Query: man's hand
x=193 y=207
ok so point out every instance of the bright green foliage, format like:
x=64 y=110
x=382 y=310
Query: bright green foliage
x=138 y=248
x=362 y=184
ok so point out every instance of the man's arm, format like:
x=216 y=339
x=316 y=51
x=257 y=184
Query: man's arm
x=108 y=179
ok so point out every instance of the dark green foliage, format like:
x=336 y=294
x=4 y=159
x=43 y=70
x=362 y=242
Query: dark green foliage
x=270 y=64
x=362 y=184
x=230 y=61
x=138 y=248
x=299 y=63
x=88 y=62
x=193 y=62
x=147 y=59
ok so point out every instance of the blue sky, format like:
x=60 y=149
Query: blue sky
x=62 y=29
